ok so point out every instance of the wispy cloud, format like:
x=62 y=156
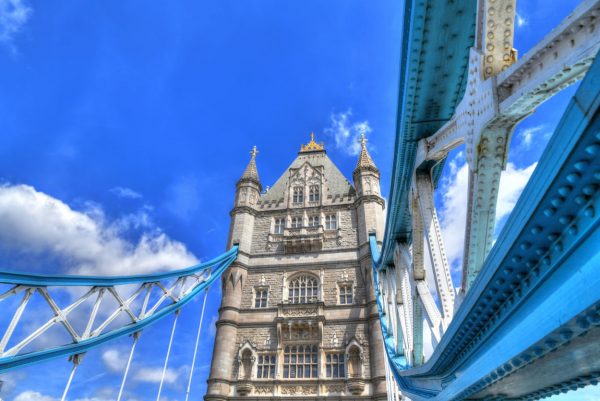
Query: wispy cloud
x=82 y=242
x=127 y=193
x=529 y=135
x=114 y=360
x=453 y=212
x=345 y=132
x=153 y=375
x=521 y=20
x=14 y=14
x=36 y=396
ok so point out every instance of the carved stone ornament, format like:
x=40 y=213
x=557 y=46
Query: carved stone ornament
x=244 y=387
x=335 y=388
x=300 y=312
x=263 y=389
x=289 y=390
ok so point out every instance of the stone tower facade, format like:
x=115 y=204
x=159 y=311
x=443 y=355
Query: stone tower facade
x=298 y=317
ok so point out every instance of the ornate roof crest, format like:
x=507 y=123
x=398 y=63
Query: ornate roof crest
x=312 y=146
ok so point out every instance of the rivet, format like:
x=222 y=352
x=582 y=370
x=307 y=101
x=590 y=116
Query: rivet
x=589 y=211
x=593 y=149
x=573 y=177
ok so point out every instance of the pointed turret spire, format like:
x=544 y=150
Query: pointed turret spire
x=364 y=159
x=251 y=172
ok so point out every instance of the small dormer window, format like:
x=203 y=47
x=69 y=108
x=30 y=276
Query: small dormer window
x=313 y=193
x=298 y=195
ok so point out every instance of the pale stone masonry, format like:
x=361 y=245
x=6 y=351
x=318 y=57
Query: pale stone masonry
x=298 y=317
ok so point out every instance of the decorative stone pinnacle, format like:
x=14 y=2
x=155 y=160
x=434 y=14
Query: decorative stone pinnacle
x=251 y=172
x=364 y=158
x=312 y=146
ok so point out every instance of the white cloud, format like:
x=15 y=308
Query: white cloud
x=346 y=133
x=115 y=360
x=528 y=135
x=153 y=375
x=520 y=20
x=124 y=192
x=453 y=212
x=14 y=14
x=33 y=396
x=83 y=242
x=512 y=182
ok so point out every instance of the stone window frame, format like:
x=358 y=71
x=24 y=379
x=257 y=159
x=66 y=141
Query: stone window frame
x=298 y=195
x=312 y=364
x=298 y=275
x=314 y=193
x=261 y=288
x=270 y=365
x=346 y=284
x=279 y=228
x=298 y=219
x=341 y=361
x=312 y=218
x=336 y=218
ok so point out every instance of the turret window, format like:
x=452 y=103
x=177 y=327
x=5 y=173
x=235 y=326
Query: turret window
x=279 y=226
x=300 y=361
x=335 y=365
x=298 y=195
x=313 y=193
x=331 y=222
x=313 y=221
x=296 y=222
x=265 y=368
x=262 y=298
x=302 y=290
x=345 y=294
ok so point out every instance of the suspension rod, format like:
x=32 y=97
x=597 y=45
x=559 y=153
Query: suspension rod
x=187 y=393
x=162 y=378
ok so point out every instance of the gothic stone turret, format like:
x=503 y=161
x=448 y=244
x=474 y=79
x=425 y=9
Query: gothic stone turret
x=298 y=316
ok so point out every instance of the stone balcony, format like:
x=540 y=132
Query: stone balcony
x=303 y=239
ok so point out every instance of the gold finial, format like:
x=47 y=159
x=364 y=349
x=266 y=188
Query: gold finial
x=254 y=152
x=312 y=145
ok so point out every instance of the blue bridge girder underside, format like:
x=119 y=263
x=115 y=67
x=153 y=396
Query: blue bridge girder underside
x=530 y=325
x=433 y=73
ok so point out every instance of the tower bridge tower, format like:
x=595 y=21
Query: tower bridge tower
x=298 y=317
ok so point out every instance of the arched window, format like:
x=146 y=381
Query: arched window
x=303 y=289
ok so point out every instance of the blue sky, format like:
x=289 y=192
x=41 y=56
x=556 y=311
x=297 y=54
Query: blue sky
x=126 y=124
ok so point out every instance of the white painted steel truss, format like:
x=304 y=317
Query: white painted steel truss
x=126 y=304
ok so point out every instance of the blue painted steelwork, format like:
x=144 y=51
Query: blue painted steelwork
x=42 y=280
x=433 y=69
x=535 y=307
x=219 y=264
